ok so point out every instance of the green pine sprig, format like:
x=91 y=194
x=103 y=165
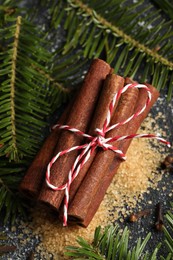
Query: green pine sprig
x=26 y=87
x=7 y=9
x=131 y=41
x=28 y=96
x=168 y=231
x=165 y=6
x=12 y=204
x=111 y=244
x=22 y=92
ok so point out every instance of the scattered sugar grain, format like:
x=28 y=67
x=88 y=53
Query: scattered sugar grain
x=13 y=229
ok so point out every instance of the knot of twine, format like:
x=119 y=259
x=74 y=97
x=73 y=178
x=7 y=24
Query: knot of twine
x=97 y=141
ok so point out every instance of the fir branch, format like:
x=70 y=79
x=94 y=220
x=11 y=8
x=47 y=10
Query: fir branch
x=17 y=76
x=169 y=234
x=58 y=92
x=12 y=83
x=25 y=87
x=69 y=68
x=12 y=204
x=7 y=9
x=101 y=22
x=130 y=41
x=111 y=243
x=60 y=87
x=165 y=6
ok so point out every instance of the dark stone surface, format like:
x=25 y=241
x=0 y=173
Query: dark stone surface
x=140 y=228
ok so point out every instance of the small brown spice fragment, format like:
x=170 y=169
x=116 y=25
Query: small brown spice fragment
x=168 y=162
x=159 y=218
x=30 y=256
x=134 y=217
x=7 y=249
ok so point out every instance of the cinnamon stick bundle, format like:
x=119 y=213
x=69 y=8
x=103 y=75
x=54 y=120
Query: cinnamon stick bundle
x=82 y=209
x=82 y=201
x=87 y=113
x=79 y=117
x=31 y=183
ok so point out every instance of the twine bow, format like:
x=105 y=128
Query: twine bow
x=99 y=141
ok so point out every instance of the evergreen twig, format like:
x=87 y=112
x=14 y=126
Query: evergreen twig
x=111 y=244
x=27 y=97
x=168 y=231
x=33 y=76
x=130 y=41
x=165 y=6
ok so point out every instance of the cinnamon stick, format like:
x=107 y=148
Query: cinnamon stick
x=31 y=183
x=79 y=117
x=114 y=164
x=112 y=84
x=83 y=200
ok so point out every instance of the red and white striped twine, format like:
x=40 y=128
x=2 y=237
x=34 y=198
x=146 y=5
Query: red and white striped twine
x=98 y=141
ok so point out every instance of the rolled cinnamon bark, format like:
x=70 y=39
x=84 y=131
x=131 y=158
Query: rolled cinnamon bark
x=83 y=200
x=114 y=164
x=31 y=183
x=112 y=84
x=79 y=117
